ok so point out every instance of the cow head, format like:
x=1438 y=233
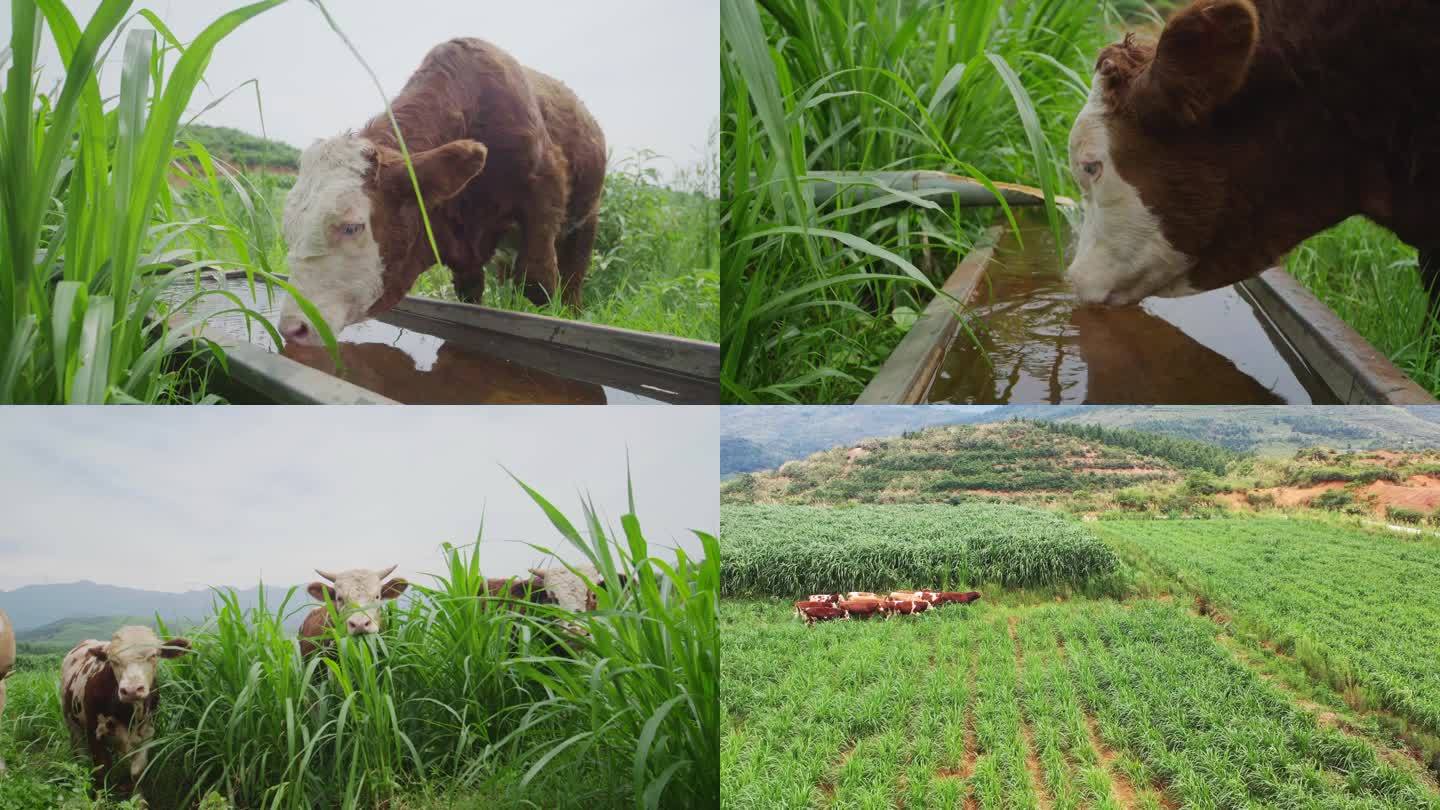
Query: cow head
x=133 y=655
x=358 y=594
x=1150 y=161
x=353 y=226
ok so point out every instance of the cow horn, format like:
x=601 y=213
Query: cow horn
x=539 y=572
x=325 y=574
x=388 y=571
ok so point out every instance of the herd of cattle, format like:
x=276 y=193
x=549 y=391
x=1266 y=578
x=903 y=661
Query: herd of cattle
x=108 y=693
x=824 y=607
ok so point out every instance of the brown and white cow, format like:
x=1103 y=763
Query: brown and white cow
x=358 y=595
x=496 y=147
x=553 y=586
x=7 y=662
x=1249 y=126
x=109 y=697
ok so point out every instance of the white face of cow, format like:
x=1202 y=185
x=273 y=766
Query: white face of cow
x=133 y=655
x=333 y=257
x=358 y=594
x=1122 y=255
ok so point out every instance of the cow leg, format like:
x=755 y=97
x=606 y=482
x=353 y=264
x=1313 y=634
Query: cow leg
x=2 y=714
x=469 y=277
x=1430 y=276
x=574 y=258
x=540 y=223
x=102 y=759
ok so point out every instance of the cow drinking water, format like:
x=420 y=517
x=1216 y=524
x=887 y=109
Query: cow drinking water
x=1248 y=127
x=357 y=594
x=109 y=697
x=497 y=147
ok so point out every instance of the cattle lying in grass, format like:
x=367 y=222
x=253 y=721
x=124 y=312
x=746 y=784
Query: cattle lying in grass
x=496 y=147
x=7 y=663
x=109 y=697
x=1248 y=127
x=357 y=595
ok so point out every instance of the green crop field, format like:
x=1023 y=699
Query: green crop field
x=460 y=702
x=1087 y=704
x=792 y=551
x=1357 y=607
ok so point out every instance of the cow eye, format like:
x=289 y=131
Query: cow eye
x=351 y=228
x=1091 y=168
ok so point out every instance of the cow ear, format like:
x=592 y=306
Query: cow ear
x=175 y=647
x=319 y=590
x=100 y=653
x=1201 y=61
x=443 y=171
x=393 y=588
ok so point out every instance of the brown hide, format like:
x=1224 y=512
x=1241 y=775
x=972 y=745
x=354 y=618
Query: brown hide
x=543 y=174
x=1254 y=124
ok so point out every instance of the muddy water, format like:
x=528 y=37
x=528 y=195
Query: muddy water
x=406 y=365
x=1030 y=341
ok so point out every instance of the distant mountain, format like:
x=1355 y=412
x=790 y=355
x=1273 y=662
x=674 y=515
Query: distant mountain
x=36 y=606
x=1257 y=428
x=245 y=149
x=764 y=437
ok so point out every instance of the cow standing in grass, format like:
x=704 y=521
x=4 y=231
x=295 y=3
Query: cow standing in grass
x=357 y=595
x=109 y=697
x=553 y=586
x=7 y=663
x=496 y=147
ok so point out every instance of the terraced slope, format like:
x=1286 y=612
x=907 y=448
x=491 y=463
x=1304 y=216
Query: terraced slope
x=1064 y=706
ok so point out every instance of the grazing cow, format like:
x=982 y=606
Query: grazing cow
x=109 y=698
x=822 y=613
x=7 y=663
x=1249 y=126
x=805 y=604
x=496 y=146
x=906 y=607
x=357 y=595
x=829 y=598
x=943 y=598
x=861 y=595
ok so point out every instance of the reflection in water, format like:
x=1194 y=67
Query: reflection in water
x=1028 y=341
x=402 y=364
x=454 y=376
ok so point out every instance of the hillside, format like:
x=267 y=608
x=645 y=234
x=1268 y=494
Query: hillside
x=244 y=149
x=944 y=463
x=61 y=635
x=38 y=606
x=763 y=438
x=1257 y=428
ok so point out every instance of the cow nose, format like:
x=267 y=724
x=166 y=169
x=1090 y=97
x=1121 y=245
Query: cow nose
x=295 y=330
x=133 y=692
x=361 y=624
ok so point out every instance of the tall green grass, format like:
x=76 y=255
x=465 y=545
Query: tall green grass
x=814 y=298
x=1372 y=281
x=89 y=237
x=461 y=700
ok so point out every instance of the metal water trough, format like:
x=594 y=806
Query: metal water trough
x=662 y=368
x=1355 y=371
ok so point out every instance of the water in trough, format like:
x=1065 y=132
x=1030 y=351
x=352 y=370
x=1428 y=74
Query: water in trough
x=403 y=364
x=1029 y=341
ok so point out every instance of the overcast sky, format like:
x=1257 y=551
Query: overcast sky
x=648 y=70
x=182 y=498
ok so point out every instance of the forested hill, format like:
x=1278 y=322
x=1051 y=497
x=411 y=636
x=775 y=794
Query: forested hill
x=244 y=149
x=942 y=464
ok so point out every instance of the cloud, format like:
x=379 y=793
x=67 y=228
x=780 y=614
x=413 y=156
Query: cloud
x=175 y=498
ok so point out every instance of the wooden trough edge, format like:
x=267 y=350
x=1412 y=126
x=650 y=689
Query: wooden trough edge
x=1353 y=368
x=906 y=376
x=286 y=382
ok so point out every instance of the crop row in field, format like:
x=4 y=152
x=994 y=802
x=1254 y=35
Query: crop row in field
x=1078 y=705
x=795 y=550
x=1357 y=607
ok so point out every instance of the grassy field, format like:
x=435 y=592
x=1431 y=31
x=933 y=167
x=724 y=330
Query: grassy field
x=792 y=551
x=459 y=701
x=1356 y=607
x=106 y=202
x=1086 y=704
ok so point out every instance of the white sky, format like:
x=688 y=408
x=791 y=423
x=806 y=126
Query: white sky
x=176 y=499
x=648 y=70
